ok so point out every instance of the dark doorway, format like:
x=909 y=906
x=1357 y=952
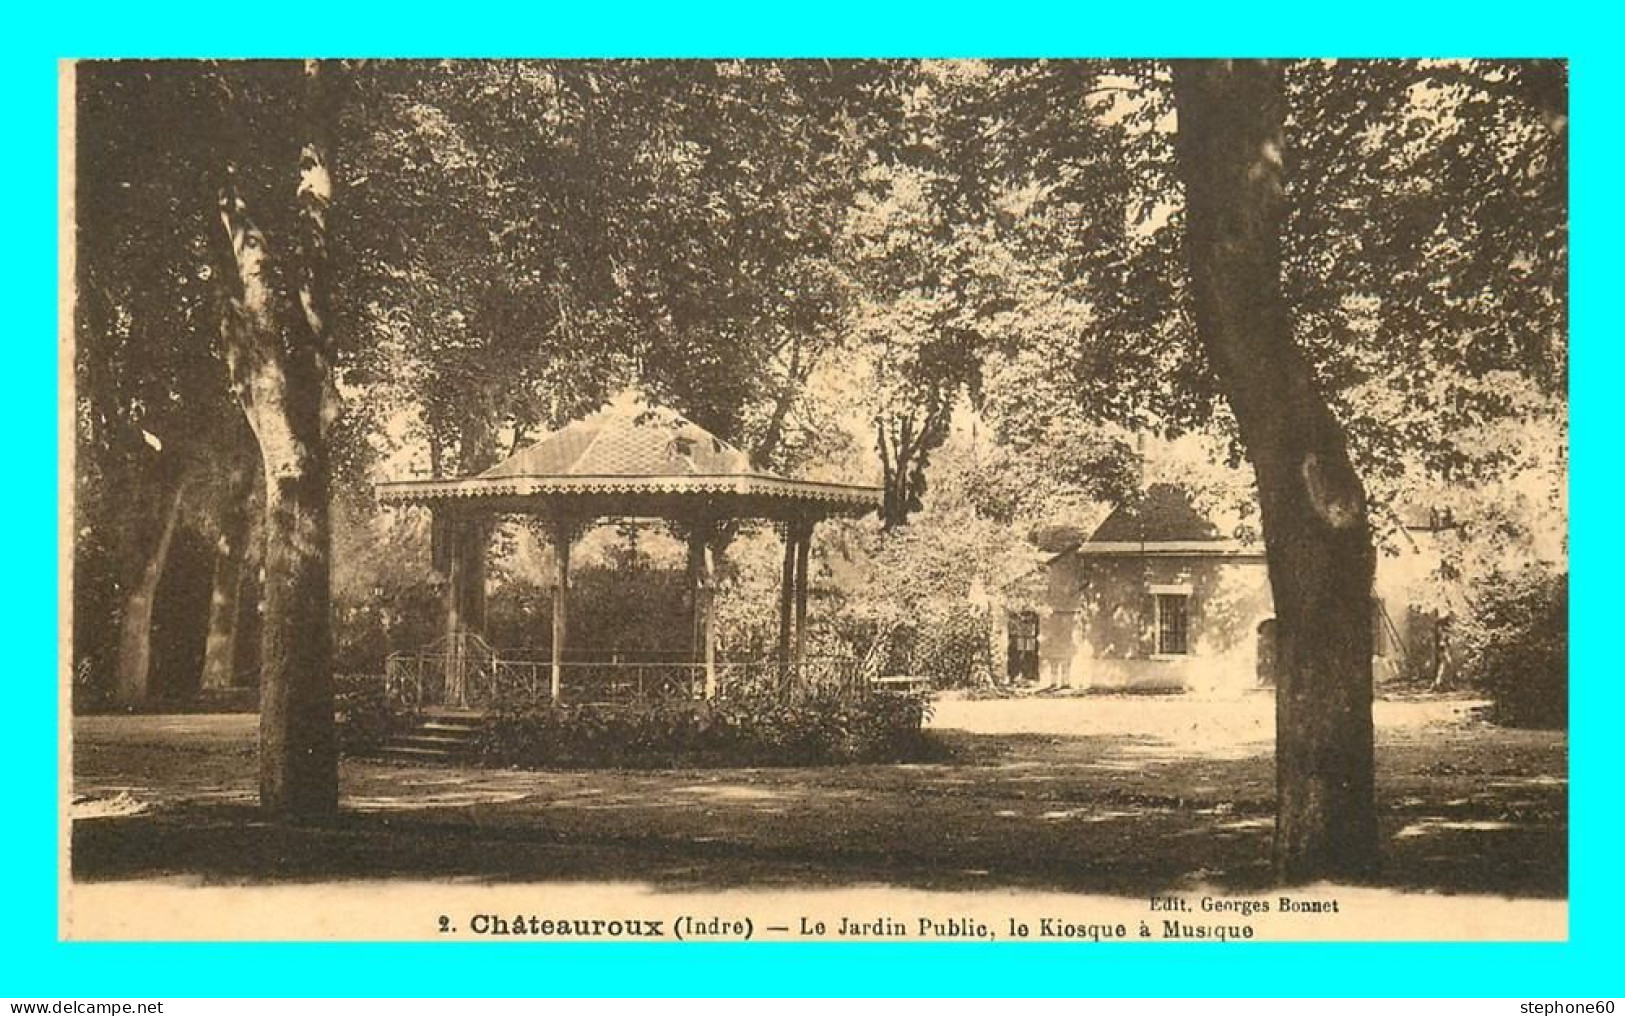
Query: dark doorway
x=1266 y=653
x=1023 y=656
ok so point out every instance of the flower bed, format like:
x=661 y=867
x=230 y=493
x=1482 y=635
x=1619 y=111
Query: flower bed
x=741 y=730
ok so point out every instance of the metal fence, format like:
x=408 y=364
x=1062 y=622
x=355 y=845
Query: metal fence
x=466 y=673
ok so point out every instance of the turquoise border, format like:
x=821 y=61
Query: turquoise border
x=32 y=962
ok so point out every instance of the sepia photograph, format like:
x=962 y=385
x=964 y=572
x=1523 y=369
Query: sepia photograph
x=805 y=500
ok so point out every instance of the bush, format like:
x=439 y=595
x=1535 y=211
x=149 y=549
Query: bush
x=952 y=648
x=1516 y=648
x=738 y=730
x=947 y=643
x=366 y=718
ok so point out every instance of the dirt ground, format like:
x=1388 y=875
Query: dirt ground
x=1122 y=795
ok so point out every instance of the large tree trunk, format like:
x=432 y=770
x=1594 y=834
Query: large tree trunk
x=132 y=673
x=467 y=541
x=1316 y=532
x=476 y=451
x=278 y=349
x=298 y=752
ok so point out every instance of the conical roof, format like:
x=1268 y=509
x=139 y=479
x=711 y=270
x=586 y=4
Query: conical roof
x=628 y=440
x=630 y=459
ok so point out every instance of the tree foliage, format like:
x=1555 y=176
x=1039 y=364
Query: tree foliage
x=1427 y=258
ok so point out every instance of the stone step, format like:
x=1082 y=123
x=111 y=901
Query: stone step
x=441 y=735
x=452 y=715
x=451 y=729
x=399 y=751
x=421 y=740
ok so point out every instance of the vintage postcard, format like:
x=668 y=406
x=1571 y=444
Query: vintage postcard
x=1083 y=501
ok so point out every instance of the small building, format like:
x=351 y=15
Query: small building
x=1158 y=599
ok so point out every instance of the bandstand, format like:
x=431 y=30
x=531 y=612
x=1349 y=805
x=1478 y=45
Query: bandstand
x=627 y=461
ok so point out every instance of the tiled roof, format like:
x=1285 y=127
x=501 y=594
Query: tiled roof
x=625 y=442
x=1163 y=513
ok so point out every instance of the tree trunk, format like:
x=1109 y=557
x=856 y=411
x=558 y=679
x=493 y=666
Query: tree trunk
x=132 y=673
x=477 y=451
x=225 y=601
x=905 y=441
x=473 y=536
x=298 y=750
x=893 y=441
x=1313 y=509
x=276 y=336
x=794 y=383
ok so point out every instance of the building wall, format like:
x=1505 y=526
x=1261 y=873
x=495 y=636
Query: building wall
x=1099 y=628
x=1098 y=624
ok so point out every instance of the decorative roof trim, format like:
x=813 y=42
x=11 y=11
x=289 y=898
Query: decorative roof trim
x=407 y=492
